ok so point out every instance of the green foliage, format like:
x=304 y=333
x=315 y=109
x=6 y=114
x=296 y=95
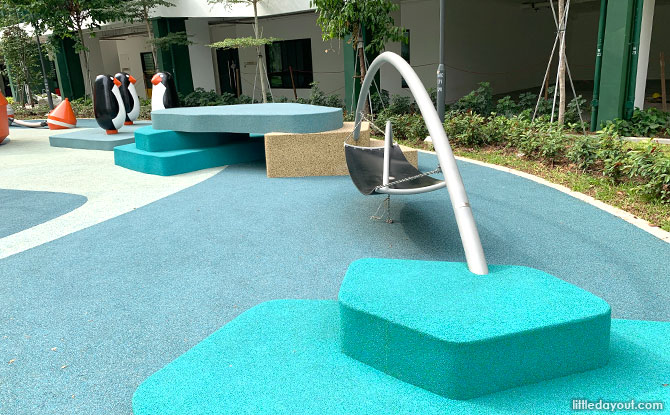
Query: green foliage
x=479 y=101
x=70 y=17
x=379 y=101
x=650 y=122
x=201 y=98
x=171 y=39
x=507 y=107
x=242 y=42
x=318 y=97
x=584 y=152
x=340 y=18
x=22 y=61
x=400 y=105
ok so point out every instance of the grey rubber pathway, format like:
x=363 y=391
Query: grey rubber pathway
x=88 y=317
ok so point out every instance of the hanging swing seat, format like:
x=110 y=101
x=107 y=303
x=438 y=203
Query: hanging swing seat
x=366 y=166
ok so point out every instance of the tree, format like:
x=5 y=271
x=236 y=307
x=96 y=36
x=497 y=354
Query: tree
x=69 y=19
x=14 y=12
x=341 y=18
x=138 y=11
x=562 y=19
x=20 y=54
x=257 y=41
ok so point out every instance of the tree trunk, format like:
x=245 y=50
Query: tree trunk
x=88 y=69
x=561 y=62
x=361 y=63
x=261 y=66
x=44 y=71
x=150 y=33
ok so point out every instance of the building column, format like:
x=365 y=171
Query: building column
x=174 y=59
x=627 y=36
x=643 y=56
x=68 y=70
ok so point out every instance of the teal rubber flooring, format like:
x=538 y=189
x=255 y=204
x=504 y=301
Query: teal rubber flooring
x=120 y=300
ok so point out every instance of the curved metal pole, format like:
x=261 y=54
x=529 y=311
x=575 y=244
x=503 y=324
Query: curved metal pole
x=390 y=191
x=467 y=228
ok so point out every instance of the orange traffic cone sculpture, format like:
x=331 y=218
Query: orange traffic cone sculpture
x=62 y=117
x=4 y=126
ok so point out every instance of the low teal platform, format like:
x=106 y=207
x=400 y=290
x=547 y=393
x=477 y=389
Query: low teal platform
x=460 y=335
x=96 y=138
x=283 y=357
x=168 y=163
x=152 y=140
x=250 y=118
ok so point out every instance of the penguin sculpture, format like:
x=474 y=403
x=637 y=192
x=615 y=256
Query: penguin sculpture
x=108 y=107
x=164 y=92
x=129 y=96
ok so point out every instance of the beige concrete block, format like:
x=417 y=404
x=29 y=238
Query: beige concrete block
x=314 y=154
x=410 y=153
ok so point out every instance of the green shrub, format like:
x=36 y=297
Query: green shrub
x=584 y=152
x=658 y=180
x=552 y=144
x=465 y=129
x=318 y=97
x=613 y=156
x=479 y=101
x=649 y=122
x=400 y=105
x=507 y=107
x=380 y=101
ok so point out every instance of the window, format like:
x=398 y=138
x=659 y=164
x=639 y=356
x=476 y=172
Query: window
x=404 y=53
x=290 y=58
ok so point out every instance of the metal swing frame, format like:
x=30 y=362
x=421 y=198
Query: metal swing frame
x=467 y=228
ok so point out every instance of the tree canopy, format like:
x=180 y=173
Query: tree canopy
x=340 y=18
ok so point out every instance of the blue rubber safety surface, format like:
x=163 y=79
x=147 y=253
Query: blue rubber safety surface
x=23 y=209
x=283 y=357
x=122 y=299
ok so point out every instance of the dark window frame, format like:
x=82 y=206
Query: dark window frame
x=286 y=57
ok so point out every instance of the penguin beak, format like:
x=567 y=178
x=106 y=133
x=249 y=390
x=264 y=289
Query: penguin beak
x=156 y=79
x=132 y=80
x=117 y=82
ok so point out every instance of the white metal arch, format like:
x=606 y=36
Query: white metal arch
x=467 y=228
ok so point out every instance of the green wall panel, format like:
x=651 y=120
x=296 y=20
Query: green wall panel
x=174 y=59
x=68 y=70
x=618 y=29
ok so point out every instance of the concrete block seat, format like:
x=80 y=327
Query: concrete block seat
x=312 y=154
x=284 y=357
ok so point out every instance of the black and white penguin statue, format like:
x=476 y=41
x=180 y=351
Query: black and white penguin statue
x=110 y=113
x=164 y=92
x=129 y=96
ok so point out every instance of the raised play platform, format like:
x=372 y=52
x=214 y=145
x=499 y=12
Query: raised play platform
x=187 y=139
x=418 y=327
x=249 y=118
x=96 y=138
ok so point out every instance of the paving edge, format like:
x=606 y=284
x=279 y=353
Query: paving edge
x=620 y=213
